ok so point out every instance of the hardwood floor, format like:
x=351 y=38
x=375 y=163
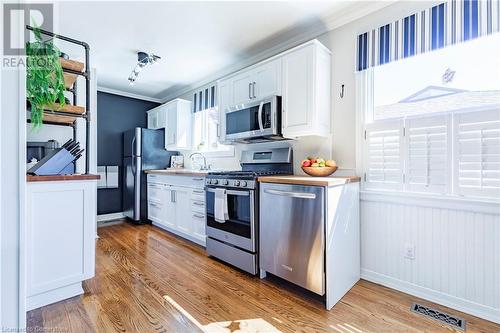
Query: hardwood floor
x=150 y=281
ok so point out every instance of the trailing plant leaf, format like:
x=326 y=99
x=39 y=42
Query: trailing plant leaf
x=44 y=77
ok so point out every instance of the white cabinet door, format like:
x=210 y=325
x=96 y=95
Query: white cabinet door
x=306 y=82
x=297 y=91
x=170 y=131
x=169 y=208
x=199 y=225
x=60 y=238
x=242 y=88
x=225 y=100
x=155 y=212
x=183 y=209
x=153 y=120
x=267 y=79
x=178 y=133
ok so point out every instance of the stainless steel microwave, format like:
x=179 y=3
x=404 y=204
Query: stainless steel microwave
x=255 y=121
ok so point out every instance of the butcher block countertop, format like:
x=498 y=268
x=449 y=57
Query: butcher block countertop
x=179 y=172
x=308 y=180
x=32 y=178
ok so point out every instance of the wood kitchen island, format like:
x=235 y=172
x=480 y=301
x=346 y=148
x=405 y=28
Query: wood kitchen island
x=60 y=236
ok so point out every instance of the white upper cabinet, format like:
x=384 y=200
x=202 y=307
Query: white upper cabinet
x=178 y=132
x=306 y=86
x=157 y=117
x=225 y=101
x=302 y=76
x=267 y=79
x=242 y=88
x=255 y=83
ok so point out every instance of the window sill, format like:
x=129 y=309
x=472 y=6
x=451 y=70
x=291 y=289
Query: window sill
x=488 y=206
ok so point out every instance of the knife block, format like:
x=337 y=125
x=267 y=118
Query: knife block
x=57 y=162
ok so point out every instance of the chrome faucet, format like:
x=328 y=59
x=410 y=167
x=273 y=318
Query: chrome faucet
x=205 y=166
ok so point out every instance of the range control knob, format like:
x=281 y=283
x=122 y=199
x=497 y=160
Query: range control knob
x=215 y=181
x=236 y=183
x=243 y=183
x=225 y=182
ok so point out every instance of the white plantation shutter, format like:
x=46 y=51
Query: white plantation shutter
x=383 y=155
x=477 y=153
x=428 y=145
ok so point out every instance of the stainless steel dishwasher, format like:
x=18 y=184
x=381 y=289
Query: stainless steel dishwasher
x=292 y=234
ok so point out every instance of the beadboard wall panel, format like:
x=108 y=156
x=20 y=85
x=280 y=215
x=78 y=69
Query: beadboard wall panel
x=457 y=252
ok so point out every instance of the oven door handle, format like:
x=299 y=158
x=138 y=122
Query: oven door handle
x=261 y=123
x=232 y=192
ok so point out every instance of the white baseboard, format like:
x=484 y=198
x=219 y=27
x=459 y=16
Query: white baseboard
x=181 y=234
x=431 y=295
x=110 y=217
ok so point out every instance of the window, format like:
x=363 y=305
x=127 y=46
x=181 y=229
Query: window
x=206 y=124
x=432 y=122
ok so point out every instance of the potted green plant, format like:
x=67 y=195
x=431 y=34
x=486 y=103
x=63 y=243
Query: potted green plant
x=44 y=77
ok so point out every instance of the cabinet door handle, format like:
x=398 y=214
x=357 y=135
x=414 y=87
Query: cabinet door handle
x=199 y=216
x=253 y=90
x=250 y=90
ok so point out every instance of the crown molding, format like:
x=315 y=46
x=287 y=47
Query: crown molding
x=127 y=94
x=276 y=46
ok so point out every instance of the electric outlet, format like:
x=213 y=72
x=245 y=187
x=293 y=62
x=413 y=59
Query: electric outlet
x=409 y=251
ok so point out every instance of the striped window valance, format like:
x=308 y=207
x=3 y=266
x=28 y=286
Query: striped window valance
x=205 y=99
x=444 y=24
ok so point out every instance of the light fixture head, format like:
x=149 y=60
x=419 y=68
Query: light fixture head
x=143 y=59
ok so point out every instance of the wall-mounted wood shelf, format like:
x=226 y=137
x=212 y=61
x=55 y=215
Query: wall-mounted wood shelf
x=67 y=108
x=67 y=115
x=53 y=118
x=72 y=65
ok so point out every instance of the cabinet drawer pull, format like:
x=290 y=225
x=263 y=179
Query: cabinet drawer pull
x=198 y=203
x=197 y=179
x=200 y=192
x=199 y=216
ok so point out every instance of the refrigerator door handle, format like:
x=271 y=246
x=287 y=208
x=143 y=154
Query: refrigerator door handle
x=137 y=187
x=132 y=148
x=133 y=166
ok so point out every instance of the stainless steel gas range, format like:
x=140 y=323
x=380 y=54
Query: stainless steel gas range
x=233 y=206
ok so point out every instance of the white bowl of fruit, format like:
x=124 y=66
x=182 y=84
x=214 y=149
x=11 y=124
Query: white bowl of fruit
x=318 y=167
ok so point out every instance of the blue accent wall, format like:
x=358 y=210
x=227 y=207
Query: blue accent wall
x=116 y=114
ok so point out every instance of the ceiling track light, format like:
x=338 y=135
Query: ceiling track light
x=143 y=59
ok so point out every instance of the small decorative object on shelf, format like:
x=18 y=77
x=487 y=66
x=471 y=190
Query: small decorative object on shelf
x=318 y=167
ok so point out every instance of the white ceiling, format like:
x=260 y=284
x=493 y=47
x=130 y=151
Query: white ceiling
x=196 y=40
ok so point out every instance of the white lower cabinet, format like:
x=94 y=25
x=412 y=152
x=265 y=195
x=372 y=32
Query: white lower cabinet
x=60 y=238
x=183 y=209
x=179 y=207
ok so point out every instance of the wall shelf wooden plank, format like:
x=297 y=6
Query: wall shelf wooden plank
x=72 y=65
x=67 y=108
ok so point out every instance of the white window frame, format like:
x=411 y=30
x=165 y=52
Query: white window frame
x=222 y=150
x=365 y=116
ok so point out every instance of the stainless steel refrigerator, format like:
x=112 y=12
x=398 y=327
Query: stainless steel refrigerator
x=143 y=149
